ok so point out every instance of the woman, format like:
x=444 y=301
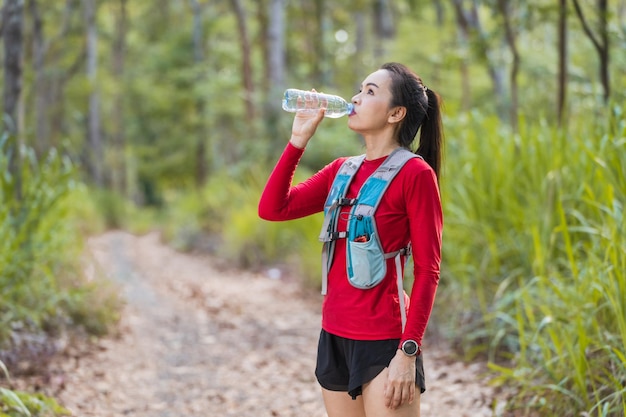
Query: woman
x=365 y=349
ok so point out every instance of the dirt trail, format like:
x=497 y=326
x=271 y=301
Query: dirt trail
x=197 y=340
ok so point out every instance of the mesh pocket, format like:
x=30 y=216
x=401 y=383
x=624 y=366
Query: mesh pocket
x=366 y=263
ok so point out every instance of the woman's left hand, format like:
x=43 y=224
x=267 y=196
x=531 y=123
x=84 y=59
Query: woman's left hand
x=400 y=384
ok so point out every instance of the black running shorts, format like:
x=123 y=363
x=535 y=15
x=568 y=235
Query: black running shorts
x=346 y=364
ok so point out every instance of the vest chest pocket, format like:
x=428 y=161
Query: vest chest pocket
x=366 y=263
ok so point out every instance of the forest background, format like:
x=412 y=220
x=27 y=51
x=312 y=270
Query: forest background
x=165 y=114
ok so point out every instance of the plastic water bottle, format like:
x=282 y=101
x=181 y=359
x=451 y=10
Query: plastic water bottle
x=310 y=101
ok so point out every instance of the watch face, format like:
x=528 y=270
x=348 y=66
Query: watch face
x=409 y=347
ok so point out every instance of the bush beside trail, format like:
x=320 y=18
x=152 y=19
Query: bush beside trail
x=46 y=294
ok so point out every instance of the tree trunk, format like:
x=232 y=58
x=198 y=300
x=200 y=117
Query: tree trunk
x=440 y=12
x=13 y=49
x=263 y=21
x=320 y=60
x=604 y=51
x=562 y=77
x=464 y=40
x=384 y=26
x=198 y=53
x=246 y=67
x=505 y=10
x=276 y=68
x=118 y=173
x=277 y=45
x=360 y=42
x=94 y=140
x=469 y=22
x=601 y=45
x=55 y=51
x=40 y=89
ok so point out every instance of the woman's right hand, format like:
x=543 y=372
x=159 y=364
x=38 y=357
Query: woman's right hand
x=304 y=127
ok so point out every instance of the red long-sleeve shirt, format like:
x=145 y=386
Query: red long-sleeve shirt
x=410 y=209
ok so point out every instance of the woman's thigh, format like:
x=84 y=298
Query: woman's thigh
x=374 y=400
x=340 y=404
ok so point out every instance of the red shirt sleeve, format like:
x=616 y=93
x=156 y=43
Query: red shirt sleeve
x=282 y=201
x=426 y=226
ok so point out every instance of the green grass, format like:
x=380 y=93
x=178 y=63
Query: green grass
x=535 y=257
x=227 y=207
x=41 y=245
x=44 y=289
x=22 y=404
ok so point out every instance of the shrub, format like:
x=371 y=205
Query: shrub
x=535 y=254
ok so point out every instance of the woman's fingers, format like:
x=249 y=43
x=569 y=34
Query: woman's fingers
x=396 y=396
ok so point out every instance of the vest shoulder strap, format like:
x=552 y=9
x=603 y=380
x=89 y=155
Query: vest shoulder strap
x=375 y=186
x=370 y=193
x=338 y=190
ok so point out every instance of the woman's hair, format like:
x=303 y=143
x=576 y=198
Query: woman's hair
x=422 y=110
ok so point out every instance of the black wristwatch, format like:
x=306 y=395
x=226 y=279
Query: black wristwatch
x=410 y=348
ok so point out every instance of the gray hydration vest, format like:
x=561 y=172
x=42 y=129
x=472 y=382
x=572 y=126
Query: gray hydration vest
x=365 y=259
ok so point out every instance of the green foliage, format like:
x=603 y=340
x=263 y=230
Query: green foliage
x=223 y=219
x=23 y=229
x=334 y=140
x=111 y=208
x=265 y=242
x=85 y=213
x=535 y=254
x=40 y=251
x=22 y=404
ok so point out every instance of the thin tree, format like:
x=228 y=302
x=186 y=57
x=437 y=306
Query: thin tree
x=94 y=139
x=276 y=37
x=360 y=37
x=262 y=18
x=276 y=67
x=504 y=7
x=321 y=73
x=463 y=37
x=384 y=26
x=12 y=28
x=439 y=11
x=562 y=75
x=40 y=87
x=49 y=86
x=600 y=42
x=200 y=102
x=468 y=20
x=246 y=57
x=119 y=181
x=50 y=93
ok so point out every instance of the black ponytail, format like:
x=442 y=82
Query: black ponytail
x=431 y=135
x=422 y=111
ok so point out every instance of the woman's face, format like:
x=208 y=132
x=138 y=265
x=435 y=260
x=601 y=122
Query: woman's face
x=372 y=103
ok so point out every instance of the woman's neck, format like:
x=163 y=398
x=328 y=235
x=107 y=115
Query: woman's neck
x=377 y=146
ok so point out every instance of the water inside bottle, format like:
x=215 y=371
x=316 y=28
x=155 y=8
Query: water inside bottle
x=335 y=105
